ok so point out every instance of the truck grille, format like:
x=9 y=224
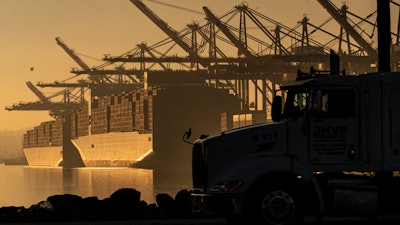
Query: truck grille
x=199 y=168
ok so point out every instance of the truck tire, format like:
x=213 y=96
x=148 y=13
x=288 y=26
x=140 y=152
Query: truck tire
x=274 y=205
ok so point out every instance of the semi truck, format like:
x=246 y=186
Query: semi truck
x=332 y=149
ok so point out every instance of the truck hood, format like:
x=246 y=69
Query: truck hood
x=225 y=151
x=263 y=137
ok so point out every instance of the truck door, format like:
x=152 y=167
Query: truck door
x=394 y=128
x=334 y=126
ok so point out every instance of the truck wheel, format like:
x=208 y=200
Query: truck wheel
x=274 y=206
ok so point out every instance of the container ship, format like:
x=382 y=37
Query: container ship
x=141 y=127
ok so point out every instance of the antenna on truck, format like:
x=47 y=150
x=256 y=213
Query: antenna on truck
x=334 y=69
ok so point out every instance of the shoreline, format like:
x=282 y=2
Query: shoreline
x=125 y=207
x=123 y=204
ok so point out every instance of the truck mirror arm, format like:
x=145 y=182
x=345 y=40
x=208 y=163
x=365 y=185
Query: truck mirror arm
x=187 y=135
x=276 y=112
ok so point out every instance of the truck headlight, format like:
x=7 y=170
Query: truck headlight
x=230 y=185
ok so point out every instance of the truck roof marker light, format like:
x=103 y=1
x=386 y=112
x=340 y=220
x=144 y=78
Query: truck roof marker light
x=231 y=185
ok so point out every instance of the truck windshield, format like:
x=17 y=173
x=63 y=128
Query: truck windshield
x=333 y=103
x=320 y=102
x=296 y=102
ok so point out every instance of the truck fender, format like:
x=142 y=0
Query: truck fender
x=308 y=175
x=318 y=191
x=253 y=170
x=249 y=169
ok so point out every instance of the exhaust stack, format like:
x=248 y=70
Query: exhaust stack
x=384 y=39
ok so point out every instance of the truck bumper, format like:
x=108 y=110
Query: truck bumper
x=216 y=204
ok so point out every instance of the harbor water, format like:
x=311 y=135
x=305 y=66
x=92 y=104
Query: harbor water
x=25 y=186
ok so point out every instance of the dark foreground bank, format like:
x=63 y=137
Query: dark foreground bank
x=124 y=204
x=125 y=207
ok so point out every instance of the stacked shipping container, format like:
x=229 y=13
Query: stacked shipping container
x=47 y=134
x=99 y=114
x=128 y=111
x=124 y=112
x=121 y=113
x=57 y=133
x=144 y=111
x=80 y=122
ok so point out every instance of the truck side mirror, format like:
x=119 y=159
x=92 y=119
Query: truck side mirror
x=276 y=112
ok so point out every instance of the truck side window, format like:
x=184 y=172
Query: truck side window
x=296 y=103
x=334 y=103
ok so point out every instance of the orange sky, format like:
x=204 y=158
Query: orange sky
x=97 y=27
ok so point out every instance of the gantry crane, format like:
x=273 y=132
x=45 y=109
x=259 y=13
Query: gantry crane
x=73 y=55
x=238 y=43
x=173 y=34
x=341 y=19
x=240 y=88
x=38 y=93
x=70 y=101
x=98 y=75
x=209 y=37
x=100 y=82
x=258 y=68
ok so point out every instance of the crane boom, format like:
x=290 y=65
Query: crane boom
x=173 y=34
x=53 y=106
x=343 y=22
x=73 y=55
x=86 y=69
x=38 y=93
x=227 y=32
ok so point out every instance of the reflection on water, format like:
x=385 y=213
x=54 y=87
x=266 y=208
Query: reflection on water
x=171 y=182
x=25 y=186
x=103 y=182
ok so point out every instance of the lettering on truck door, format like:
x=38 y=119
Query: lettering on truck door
x=334 y=127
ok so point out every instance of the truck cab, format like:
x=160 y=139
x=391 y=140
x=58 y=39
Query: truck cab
x=332 y=149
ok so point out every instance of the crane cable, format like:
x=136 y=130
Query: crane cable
x=177 y=7
x=88 y=56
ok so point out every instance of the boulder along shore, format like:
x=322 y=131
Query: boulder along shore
x=123 y=204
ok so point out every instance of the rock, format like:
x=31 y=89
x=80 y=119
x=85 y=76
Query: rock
x=65 y=202
x=183 y=201
x=67 y=207
x=42 y=211
x=165 y=201
x=125 y=198
x=10 y=214
x=166 y=205
x=93 y=208
x=123 y=204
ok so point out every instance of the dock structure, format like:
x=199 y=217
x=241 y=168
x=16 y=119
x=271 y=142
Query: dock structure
x=245 y=65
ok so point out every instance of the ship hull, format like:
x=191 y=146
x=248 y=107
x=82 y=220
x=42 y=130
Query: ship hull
x=115 y=149
x=43 y=156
